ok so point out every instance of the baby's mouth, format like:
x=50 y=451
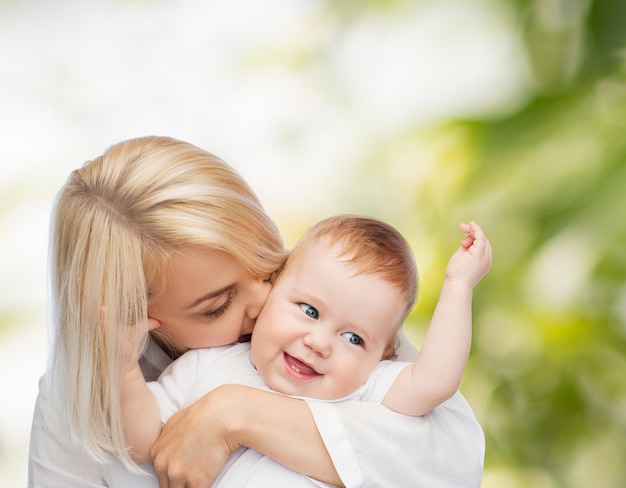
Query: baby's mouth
x=298 y=369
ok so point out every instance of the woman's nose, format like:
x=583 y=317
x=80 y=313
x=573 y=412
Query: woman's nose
x=259 y=292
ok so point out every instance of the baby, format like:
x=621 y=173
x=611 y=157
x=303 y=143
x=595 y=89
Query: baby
x=328 y=331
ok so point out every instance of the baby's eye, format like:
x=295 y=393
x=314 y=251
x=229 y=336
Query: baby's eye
x=310 y=311
x=353 y=338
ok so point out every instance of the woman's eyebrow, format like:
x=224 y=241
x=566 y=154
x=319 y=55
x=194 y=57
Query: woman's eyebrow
x=208 y=296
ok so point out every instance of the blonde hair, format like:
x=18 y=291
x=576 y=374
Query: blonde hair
x=117 y=221
x=370 y=246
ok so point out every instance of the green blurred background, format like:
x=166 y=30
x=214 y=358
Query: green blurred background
x=422 y=113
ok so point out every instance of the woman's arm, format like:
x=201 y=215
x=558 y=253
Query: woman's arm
x=370 y=445
x=196 y=442
x=443 y=449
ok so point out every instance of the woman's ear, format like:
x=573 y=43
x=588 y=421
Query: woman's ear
x=153 y=323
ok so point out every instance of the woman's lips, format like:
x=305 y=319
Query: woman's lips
x=298 y=369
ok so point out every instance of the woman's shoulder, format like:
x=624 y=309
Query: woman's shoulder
x=54 y=459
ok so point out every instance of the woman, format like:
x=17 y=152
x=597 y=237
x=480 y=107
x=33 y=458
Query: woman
x=162 y=229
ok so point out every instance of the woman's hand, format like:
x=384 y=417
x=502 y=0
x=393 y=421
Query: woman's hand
x=196 y=442
x=193 y=446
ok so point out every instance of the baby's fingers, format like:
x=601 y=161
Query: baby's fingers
x=473 y=231
x=480 y=241
x=467 y=242
x=481 y=246
x=465 y=228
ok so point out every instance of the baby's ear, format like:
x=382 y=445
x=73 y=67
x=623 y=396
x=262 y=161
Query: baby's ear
x=391 y=349
x=153 y=323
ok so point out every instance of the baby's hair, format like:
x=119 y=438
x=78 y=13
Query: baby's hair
x=370 y=246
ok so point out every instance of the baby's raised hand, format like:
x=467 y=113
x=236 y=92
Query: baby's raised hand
x=472 y=260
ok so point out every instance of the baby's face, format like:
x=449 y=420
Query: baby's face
x=324 y=328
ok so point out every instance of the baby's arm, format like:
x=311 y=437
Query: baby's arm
x=141 y=417
x=437 y=372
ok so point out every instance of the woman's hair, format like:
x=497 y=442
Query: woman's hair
x=370 y=247
x=116 y=223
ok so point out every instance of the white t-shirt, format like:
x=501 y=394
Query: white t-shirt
x=199 y=371
x=370 y=447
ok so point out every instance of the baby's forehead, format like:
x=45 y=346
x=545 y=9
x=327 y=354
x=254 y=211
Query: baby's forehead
x=326 y=249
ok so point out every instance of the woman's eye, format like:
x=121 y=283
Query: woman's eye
x=353 y=338
x=216 y=312
x=310 y=311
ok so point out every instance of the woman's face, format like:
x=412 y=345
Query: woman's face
x=209 y=299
